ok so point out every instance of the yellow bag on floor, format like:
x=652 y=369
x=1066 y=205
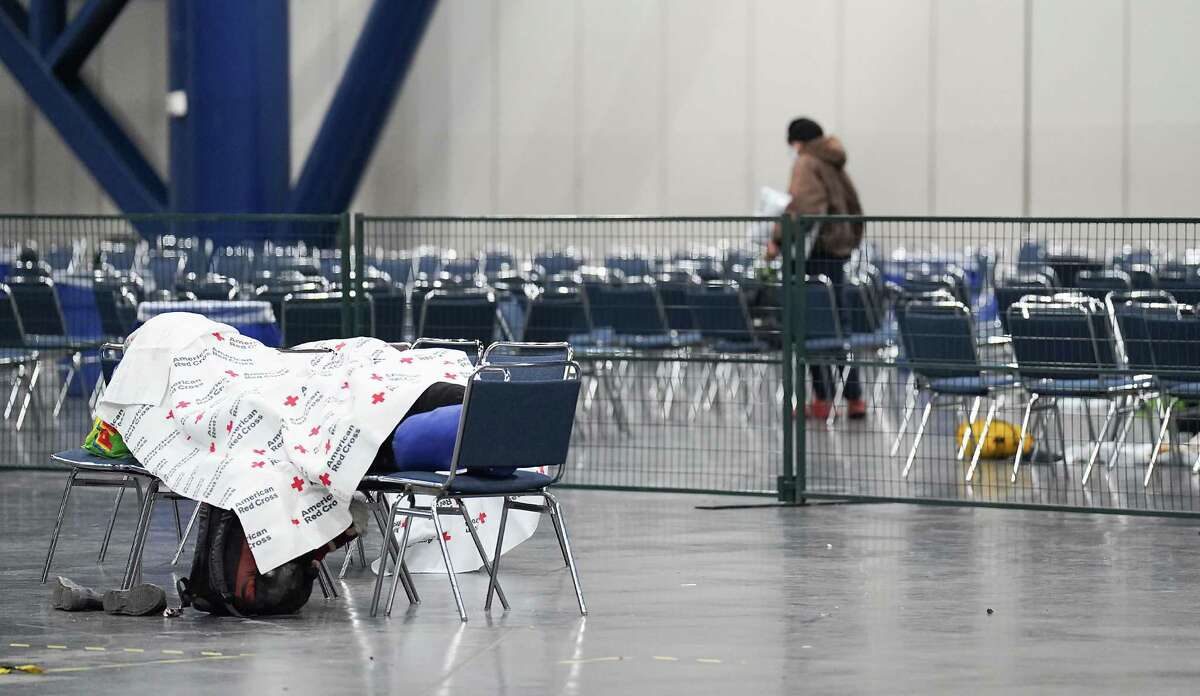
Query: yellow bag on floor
x=1001 y=439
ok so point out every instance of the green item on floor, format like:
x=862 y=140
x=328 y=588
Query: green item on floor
x=105 y=441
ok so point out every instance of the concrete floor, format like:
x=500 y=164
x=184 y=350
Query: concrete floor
x=823 y=599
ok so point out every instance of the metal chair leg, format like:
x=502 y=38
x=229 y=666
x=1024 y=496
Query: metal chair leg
x=76 y=364
x=910 y=406
x=487 y=603
x=384 y=549
x=912 y=453
x=30 y=390
x=187 y=532
x=323 y=571
x=112 y=519
x=346 y=561
x=441 y=540
x=487 y=566
x=321 y=582
x=564 y=543
x=1162 y=433
x=1095 y=454
x=400 y=573
x=962 y=447
x=62 y=512
x=133 y=568
x=380 y=510
x=1021 y=437
x=987 y=425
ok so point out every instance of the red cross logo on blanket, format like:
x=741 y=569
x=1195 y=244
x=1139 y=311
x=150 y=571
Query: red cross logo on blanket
x=199 y=416
x=257 y=465
x=183 y=404
x=217 y=335
x=170 y=414
x=298 y=484
x=300 y=449
x=377 y=398
x=231 y=373
x=406 y=361
x=260 y=451
x=325 y=480
x=212 y=448
x=314 y=431
x=451 y=375
x=376 y=377
x=340 y=346
x=482 y=517
x=446 y=536
x=327 y=446
x=291 y=401
x=295 y=521
x=229 y=427
x=345 y=385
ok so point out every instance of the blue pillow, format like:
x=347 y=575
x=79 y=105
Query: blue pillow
x=425 y=442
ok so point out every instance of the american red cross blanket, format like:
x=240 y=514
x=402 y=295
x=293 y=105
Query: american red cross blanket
x=280 y=438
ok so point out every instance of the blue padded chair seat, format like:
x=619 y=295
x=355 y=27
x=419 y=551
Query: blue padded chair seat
x=739 y=347
x=1077 y=387
x=471 y=484
x=825 y=345
x=971 y=385
x=649 y=342
x=1183 y=390
x=877 y=339
x=83 y=459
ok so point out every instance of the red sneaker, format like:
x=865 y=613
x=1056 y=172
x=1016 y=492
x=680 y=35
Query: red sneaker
x=818 y=409
x=856 y=409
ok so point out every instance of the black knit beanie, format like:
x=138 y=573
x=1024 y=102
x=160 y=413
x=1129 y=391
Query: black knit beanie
x=803 y=130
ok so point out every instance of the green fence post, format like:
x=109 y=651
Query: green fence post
x=348 y=313
x=364 y=322
x=786 y=484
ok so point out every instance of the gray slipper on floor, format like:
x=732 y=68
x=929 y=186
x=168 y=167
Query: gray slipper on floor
x=68 y=595
x=139 y=600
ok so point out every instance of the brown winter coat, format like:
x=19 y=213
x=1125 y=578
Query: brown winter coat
x=820 y=186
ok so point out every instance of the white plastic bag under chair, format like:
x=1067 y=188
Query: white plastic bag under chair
x=424 y=556
x=1128 y=455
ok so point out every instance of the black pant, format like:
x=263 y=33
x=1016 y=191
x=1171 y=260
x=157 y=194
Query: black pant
x=822 y=377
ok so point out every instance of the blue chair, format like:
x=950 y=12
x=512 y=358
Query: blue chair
x=720 y=315
x=1182 y=282
x=559 y=313
x=673 y=288
x=551 y=263
x=515 y=422
x=1064 y=348
x=317 y=317
x=16 y=358
x=398 y=266
x=464 y=266
x=497 y=262
x=1097 y=284
x=940 y=349
x=473 y=348
x=633 y=312
x=427 y=262
x=824 y=337
x=631 y=264
x=465 y=313
x=1174 y=341
x=1009 y=291
x=539 y=361
x=163 y=269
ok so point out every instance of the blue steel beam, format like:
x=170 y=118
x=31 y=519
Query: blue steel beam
x=360 y=107
x=80 y=37
x=83 y=123
x=46 y=21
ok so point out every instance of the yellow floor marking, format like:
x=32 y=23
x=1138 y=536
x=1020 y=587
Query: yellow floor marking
x=708 y=660
x=94 y=648
x=665 y=658
x=122 y=665
x=134 y=650
x=18 y=645
x=207 y=653
x=589 y=660
x=172 y=652
x=57 y=647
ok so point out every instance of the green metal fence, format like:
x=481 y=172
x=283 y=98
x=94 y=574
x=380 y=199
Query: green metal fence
x=1069 y=345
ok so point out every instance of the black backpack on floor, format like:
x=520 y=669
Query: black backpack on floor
x=225 y=580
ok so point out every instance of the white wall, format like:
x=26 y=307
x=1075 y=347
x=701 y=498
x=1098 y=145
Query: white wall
x=679 y=106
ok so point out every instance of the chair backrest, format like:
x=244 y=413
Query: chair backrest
x=1183 y=284
x=12 y=333
x=720 y=312
x=557 y=314
x=1052 y=339
x=315 y=317
x=517 y=422
x=1098 y=283
x=632 y=265
x=1130 y=315
x=389 y=317
x=473 y=348
x=1175 y=341
x=1008 y=291
x=110 y=357
x=939 y=339
x=497 y=261
x=556 y=262
x=460 y=314
x=821 y=319
x=399 y=268
x=546 y=360
x=673 y=288
x=862 y=309
x=633 y=309
x=116 y=306
x=164 y=268
x=37 y=303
